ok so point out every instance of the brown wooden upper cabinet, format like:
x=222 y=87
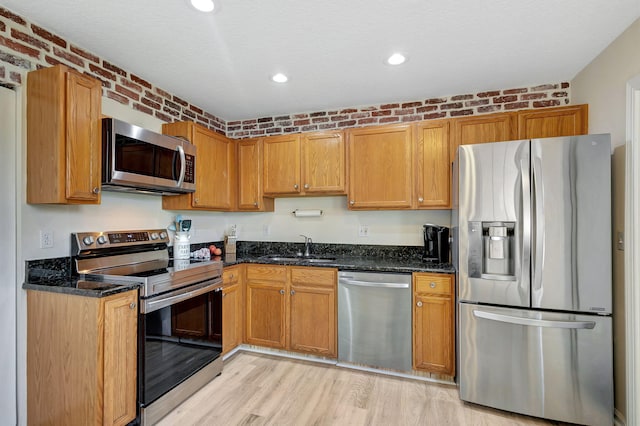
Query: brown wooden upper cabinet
x=250 y=195
x=432 y=165
x=380 y=167
x=483 y=128
x=304 y=164
x=551 y=122
x=64 y=140
x=215 y=169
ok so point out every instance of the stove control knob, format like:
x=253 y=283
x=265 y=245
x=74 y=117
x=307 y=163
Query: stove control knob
x=163 y=235
x=88 y=240
x=102 y=239
x=154 y=235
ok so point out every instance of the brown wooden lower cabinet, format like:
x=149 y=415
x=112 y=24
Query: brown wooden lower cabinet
x=292 y=308
x=266 y=305
x=81 y=358
x=313 y=311
x=232 y=308
x=433 y=323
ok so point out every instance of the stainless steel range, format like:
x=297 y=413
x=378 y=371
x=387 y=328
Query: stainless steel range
x=180 y=319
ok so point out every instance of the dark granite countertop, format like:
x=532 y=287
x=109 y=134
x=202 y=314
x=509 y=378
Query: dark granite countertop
x=80 y=287
x=355 y=263
x=55 y=275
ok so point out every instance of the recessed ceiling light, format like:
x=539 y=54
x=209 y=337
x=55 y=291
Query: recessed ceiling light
x=203 y=5
x=280 y=78
x=396 y=59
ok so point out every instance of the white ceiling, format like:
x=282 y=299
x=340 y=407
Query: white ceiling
x=334 y=50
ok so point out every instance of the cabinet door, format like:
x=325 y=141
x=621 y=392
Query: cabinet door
x=232 y=308
x=380 y=167
x=433 y=166
x=433 y=322
x=215 y=170
x=313 y=311
x=552 y=122
x=231 y=321
x=281 y=162
x=481 y=129
x=266 y=305
x=120 y=358
x=250 y=177
x=84 y=137
x=323 y=163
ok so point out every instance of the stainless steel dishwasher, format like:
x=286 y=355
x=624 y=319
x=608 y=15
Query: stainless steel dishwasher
x=374 y=319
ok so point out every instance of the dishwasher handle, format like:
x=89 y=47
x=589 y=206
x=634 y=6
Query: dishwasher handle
x=372 y=284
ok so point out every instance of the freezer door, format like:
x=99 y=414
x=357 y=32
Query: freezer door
x=556 y=366
x=493 y=223
x=571 y=238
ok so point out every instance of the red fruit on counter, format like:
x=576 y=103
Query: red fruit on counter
x=217 y=252
x=212 y=248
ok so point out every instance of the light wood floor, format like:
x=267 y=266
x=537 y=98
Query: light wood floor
x=267 y=390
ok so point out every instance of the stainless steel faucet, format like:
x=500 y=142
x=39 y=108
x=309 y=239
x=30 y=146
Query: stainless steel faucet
x=307 y=245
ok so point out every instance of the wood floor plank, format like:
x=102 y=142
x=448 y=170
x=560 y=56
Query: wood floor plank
x=258 y=389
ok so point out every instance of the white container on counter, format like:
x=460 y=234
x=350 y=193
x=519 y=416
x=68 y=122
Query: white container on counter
x=181 y=245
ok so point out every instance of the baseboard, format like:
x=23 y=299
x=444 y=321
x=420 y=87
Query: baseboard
x=618 y=418
x=334 y=362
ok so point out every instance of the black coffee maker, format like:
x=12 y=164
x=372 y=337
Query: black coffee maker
x=436 y=243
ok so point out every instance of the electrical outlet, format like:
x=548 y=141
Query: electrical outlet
x=46 y=239
x=266 y=229
x=363 y=231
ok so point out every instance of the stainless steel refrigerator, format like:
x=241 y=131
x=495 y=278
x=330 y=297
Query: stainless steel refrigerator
x=532 y=231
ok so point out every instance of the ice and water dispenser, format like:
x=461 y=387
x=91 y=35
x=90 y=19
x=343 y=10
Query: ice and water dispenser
x=492 y=250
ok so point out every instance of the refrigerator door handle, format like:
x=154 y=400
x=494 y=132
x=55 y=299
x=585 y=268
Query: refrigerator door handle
x=534 y=322
x=538 y=238
x=526 y=221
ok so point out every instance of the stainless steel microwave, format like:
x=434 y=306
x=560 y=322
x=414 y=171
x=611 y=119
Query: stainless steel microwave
x=135 y=159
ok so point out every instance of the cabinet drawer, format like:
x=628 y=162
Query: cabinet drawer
x=313 y=276
x=230 y=276
x=433 y=284
x=266 y=273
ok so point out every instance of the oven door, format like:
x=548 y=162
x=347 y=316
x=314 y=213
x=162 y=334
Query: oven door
x=180 y=334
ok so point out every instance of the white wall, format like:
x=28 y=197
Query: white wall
x=8 y=259
x=603 y=85
x=120 y=211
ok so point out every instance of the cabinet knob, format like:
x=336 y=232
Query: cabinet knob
x=132 y=305
x=96 y=190
x=419 y=304
x=352 y=202
x=306 y=186
x=224 y=294
x=295 y=186
x=231 y=276
x=255 y=204
x=281 y=291
x=420 y=200
x=432 y=284
x=293 y=292
x=195 y=201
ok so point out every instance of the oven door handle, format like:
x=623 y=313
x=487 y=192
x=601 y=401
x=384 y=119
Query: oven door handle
x=159 y=302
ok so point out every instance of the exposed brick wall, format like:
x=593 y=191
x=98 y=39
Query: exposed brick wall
x=542 y=96
x=25 y=46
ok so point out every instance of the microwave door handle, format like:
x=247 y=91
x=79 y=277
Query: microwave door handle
x=183 y=166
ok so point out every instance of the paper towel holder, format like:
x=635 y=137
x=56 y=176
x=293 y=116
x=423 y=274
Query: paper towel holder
x=307 y=213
